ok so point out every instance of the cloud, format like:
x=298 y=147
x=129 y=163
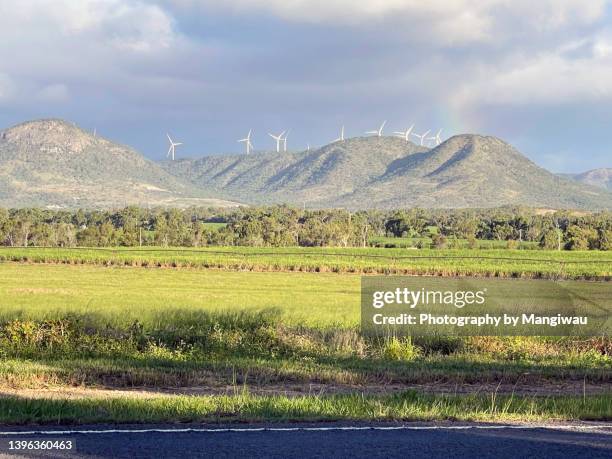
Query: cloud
x=53 y=93
x=90 y=43
x=448 y=22
x=553 y=78
x=132 y=25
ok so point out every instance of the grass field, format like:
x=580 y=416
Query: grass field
x=274 y=320
x=463 y=262
x=122 y=295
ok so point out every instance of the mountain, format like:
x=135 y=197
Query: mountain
x=317 y=177
x=601 y=178
x=388 y=172
x=55 y=164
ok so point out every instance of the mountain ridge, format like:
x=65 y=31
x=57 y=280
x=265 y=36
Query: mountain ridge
x=600 y=177
x=53 y=163
x=466 y=170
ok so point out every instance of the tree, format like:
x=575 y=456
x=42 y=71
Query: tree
x=579 y=238
x=550 y=239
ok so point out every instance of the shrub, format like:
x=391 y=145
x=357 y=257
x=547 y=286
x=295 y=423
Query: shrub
x=403 y=350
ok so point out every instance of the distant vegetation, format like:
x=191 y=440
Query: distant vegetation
x=281 y=226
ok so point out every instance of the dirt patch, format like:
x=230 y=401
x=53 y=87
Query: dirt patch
x=295 y=390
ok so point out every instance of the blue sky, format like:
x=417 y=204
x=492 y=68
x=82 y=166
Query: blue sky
x=536 y=74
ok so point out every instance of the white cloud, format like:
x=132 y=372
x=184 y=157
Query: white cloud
x=550 y=78
x=132 y=25
x=92 y=42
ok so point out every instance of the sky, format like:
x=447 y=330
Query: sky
x=537 y=74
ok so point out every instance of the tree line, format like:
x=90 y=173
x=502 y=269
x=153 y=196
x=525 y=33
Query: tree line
x=281 y=226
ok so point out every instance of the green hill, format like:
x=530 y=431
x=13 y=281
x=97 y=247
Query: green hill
x=387 y=172
x=52 y=163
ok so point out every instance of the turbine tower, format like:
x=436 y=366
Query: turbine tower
x=173 y=146
x=278 y=139
x=437 y=138
x=247 y=142
x=285 y=140
x=422 y=137
x=405 y=134
x=341 y=138
x=378 y=132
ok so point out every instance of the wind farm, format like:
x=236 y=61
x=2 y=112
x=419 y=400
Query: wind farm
x=280 y=140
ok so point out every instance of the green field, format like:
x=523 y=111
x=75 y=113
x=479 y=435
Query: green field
x=121 y=295
x=275 y=320
x=463 y=262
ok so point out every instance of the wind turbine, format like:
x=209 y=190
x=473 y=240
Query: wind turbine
x=285 y=140
x=422 y=136
x=173 y=146
x=379 y=132
x=341 y=138
x=247 y=142
x=405 y=134
x=278 y=139
x=436 y=138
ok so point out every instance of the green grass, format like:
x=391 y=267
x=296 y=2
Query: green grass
x=214 y=225
x=123 y=295
x=407 y=406
x=463 y=262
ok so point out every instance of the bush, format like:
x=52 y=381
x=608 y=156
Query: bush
x=403 y=350
x=439 y=241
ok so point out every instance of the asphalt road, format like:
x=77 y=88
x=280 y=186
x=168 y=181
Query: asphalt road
x=323 y=440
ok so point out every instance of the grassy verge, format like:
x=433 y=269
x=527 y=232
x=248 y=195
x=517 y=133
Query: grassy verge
x=407 y=406
x=207 y=349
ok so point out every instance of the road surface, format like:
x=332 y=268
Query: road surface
x=320 y=440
